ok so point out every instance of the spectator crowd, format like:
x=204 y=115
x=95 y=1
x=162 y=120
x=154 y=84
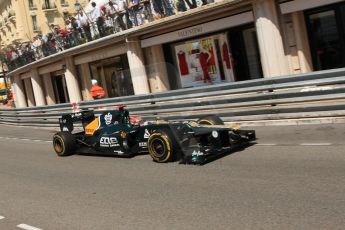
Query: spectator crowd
x=103 y=20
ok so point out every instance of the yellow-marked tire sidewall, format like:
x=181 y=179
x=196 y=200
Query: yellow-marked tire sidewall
x=167 y=146
x=205 y=122
x=62 y=143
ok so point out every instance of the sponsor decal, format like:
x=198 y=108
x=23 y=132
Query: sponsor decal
x=119 y=152
x=214 y=134
x=193 y=124
x=147 y=134
x=109 y=142
x=76 y=115
x=107 y=118
x=197 y=153
x=65 y=129
x=123 y=134
x=142 y=144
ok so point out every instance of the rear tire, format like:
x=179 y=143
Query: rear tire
x=64 y=143
x=160 y=147
x=210 y=120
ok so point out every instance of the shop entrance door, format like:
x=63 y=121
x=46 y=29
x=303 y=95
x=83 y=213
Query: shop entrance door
x=60 y=89
x=326 y=30
x=245 y=53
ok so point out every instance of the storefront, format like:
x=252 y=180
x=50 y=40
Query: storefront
x=113 y=75
x=203 y=61
x=326 y=30
x=224 y=50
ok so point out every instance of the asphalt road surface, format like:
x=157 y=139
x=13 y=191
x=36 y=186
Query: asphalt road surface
x=293 y=178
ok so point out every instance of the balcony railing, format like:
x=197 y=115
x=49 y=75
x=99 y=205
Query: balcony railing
x=64 y=3
x=11 y=13
x=33 y=7
x=49 y=6
x=36 y=29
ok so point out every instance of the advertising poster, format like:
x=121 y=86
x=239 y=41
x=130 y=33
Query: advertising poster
x=204 y=62
x=197 y=63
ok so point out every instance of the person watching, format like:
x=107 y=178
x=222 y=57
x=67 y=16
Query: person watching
x=84 y=23
x=97 y=92
x=97 y=16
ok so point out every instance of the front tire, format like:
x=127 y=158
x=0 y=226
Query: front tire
x=210 y=120
x=160 y=147
x=64 y=143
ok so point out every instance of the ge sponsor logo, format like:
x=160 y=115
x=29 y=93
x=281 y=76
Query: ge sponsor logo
x=108 y=142
x=107 y=118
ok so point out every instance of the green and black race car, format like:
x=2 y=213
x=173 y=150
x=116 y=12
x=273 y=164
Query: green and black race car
x=115 y=132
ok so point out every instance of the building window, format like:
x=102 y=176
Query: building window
x=326 y=31
x=64 y=3
x=34 y=23
x=65 y=15
x=50 y=19
x=47 y=4
x=31 y=4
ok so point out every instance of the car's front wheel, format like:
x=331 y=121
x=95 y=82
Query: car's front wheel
x=64 y=143
x=210 y=120
x=160 y=147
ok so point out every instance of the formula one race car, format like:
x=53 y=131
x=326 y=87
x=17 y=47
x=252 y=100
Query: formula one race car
x=115 y=132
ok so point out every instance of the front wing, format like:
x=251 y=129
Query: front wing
x=199 y=153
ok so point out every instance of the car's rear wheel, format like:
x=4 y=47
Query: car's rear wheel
x=210 y=120
x=160 y=147
x=64 y=143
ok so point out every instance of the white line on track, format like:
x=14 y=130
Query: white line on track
x=267 y=144
x=27 y=227
x=316 y=144
x=2 y=217
x=24 y=139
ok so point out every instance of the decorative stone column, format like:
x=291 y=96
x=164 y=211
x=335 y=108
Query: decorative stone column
x=86 y=79
x=72 y=81
x=49 y=89
x=19 y=92
x=29 y=93
x=302 y=45
x=137 y=67
x=37 y=87
x=273 y=59
x=157 y=69
x=103 y=83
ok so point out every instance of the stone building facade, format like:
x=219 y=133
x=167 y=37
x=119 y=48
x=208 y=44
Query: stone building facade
x=231 y=40
x=20 y=20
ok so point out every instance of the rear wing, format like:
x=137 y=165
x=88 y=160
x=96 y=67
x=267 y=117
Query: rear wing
x=66 y=121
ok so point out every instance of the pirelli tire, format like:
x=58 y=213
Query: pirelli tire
x=64 y=143
x=160 y=147
x=210 y=120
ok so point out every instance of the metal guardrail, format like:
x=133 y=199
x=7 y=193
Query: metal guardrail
x=313 y=95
